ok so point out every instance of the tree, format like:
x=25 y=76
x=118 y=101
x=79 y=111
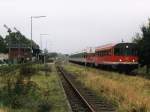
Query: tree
x=3 y=48
x=16 y=38
x=143 y=42
x=52 y=55
x=137 y=38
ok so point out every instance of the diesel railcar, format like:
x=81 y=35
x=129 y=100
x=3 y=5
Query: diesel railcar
x=120 y=56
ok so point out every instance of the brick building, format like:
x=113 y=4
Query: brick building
x=19 y=53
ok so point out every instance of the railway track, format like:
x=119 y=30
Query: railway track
x=80 y=98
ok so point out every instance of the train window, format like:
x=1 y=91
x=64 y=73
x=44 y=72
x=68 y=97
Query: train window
x=117 y=51
x=125 y=51
x=109 y=52
x=102 y=53
x=135 y=52
x=96 y=53
x=105 y=53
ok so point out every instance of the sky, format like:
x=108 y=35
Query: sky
x=73 y=25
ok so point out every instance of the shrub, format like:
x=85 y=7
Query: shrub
x=27 y=71
x=44 y=106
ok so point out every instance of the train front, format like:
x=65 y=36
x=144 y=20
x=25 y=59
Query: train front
x=126 y=56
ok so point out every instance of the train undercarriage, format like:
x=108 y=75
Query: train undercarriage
x=122 y=68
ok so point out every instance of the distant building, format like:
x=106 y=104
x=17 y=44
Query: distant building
x=20 y=53
x=3 y=56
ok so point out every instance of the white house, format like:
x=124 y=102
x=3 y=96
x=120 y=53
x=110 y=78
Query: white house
x=3 y=56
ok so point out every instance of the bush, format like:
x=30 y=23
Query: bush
x=16 y=102
x=44 y=106
x=27 y=71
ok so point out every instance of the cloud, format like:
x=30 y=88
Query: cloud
x=76 y=24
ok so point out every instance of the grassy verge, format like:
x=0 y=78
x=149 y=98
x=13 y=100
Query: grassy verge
x=130 y=93
x=32 y=90
x=51 y=90
x=142 y=72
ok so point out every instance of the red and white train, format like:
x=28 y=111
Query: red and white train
x=120 y=56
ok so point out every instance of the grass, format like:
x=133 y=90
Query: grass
x=52 y=91
x=142 y=72
x=130 y=93
x=44 y=93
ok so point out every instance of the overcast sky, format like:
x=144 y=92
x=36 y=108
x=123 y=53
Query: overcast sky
x=73 y=25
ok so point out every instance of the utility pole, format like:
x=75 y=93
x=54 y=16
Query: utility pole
x=42 y=44
x=31 y=36
x=32 y=17
x=9 y=43
x=18 y=35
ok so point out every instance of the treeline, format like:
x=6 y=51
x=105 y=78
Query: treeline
x=143 y=42
x=3 y=45
x=15 y=39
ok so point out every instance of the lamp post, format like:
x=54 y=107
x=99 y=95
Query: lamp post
x=41 y=44
x=34 y=17
x=19 y=45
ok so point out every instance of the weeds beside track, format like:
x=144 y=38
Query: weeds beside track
x=82 y=99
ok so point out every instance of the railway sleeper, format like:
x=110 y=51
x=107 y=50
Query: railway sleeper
x=99 y=104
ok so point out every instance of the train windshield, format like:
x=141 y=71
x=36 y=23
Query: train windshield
x=125 y=51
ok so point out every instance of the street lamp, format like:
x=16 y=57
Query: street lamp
x=36 y=17
x=41 y=46
x=18 y=34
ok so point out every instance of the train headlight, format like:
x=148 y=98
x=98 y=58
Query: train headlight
x=133 y=60
x=120 y=60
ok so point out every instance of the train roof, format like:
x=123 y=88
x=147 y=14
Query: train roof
x=104 y=47
x=84 y=51
x=110 y=46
